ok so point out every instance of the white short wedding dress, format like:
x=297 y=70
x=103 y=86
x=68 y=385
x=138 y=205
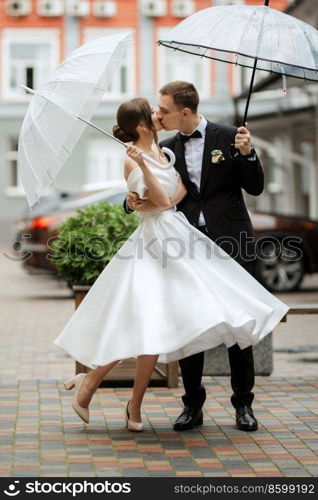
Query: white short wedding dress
x=169 y=290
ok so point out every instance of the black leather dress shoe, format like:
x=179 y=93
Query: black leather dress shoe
x=245 y=420
x=190 y=417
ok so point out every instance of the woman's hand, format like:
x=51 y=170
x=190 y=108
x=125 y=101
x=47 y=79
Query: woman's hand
x=135 y=154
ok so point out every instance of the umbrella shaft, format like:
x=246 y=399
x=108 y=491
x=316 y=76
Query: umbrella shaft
x=266 y=3
x=249 y=92
x=30 y=91
x=101 y=130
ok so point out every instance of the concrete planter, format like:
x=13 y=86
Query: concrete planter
x=216 y=361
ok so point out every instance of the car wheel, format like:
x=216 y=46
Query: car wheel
x=277 y=269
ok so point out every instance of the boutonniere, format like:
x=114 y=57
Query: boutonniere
x=217 y=156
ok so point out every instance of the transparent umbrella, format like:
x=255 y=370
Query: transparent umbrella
x=62 y=107
x=252 y=36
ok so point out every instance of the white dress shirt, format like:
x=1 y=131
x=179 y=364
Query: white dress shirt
x=193 y=153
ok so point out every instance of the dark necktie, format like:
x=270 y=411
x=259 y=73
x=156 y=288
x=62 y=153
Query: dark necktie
x=195 y=135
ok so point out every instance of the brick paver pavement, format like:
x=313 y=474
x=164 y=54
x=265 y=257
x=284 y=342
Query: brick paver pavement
x=40 y=434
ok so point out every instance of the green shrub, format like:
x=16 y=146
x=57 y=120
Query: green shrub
x=88 y=241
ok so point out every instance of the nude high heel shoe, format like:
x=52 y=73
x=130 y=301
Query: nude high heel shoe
x=132 y=426
x=77 y=382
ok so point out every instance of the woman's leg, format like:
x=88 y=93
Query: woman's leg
x=91 y=383
x=145 y=366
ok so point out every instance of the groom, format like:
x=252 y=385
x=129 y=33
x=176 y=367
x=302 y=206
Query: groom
x=215 y=163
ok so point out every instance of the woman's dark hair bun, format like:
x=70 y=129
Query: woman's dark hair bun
x=123 y=136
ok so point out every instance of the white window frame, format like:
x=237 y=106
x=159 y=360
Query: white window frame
x=49 y=36
x=105 y=161
x=236 y=79
x=9 y=156
x=93 y=33
x=276 y=184
x=308 y=151
x=206 y=90
x=243 y=73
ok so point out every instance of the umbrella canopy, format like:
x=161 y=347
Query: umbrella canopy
x=250 y=36
x=51 y=127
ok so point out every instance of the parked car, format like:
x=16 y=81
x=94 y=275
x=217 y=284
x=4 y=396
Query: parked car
x=54 y=201
x=37 y=230
x=287 y=249
x=287 y=246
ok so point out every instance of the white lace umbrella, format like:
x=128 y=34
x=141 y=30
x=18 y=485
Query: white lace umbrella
x=62 y=107
x=256 y=37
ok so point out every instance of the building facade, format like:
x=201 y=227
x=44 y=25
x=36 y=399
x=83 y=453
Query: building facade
x=286 y=129
x=35 y=35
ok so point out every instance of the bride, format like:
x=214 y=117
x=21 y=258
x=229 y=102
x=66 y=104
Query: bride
x=168 y=293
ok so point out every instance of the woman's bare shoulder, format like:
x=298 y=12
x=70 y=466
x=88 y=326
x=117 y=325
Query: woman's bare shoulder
x=129 y=166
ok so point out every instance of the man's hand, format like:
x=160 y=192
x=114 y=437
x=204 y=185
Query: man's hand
x=243 y=141
x=138 y=205
x=146 y=206
x=132 y=199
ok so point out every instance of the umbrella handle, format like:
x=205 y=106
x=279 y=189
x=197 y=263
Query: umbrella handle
x=168 y=152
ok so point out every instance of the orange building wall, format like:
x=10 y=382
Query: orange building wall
x=167 y=21
x=32 y=21
x=127 y=16
x=274 y=4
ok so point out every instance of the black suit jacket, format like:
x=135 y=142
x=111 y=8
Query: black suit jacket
x=220 y=196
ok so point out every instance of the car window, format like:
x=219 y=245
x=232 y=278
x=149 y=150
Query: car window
x=49 y=203
x=116 y=198
x=109 y=196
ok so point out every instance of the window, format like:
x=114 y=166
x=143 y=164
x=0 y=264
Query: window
x=105 y=161
x=173 y=65
x=28 y=65
x=276 y=170
x=119 y=84
x=13 y=181
x=308 y=151
x=122 y=85
x=29 y=57
x=242 y=77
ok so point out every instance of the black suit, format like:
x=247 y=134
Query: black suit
x=221 y=201
x=220 y=196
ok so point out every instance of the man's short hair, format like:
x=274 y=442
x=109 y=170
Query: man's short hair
x=184 y=94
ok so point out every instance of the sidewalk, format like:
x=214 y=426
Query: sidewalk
x=41 y=435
